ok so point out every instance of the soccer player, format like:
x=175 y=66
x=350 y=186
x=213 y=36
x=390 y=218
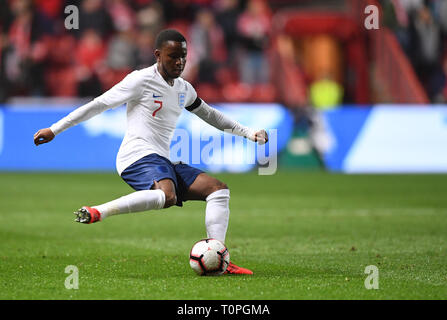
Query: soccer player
x=155 y=98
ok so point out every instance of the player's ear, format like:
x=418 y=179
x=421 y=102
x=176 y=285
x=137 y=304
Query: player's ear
x=157 y=53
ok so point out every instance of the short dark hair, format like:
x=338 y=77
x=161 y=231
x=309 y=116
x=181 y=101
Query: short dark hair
x=168 y=35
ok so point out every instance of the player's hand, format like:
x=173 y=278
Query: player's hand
x=261 y=137
x=43 y=136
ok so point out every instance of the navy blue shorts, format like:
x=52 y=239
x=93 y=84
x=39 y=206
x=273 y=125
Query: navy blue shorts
x=141 y=174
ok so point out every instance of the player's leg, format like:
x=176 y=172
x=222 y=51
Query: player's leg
x=217 y=197
x=168 y=187
x=203 y=186
x=217 y=212
x=154 y=179
x=161 y=196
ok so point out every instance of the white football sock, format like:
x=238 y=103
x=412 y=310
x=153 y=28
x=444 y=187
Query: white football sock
x=135 y=202
x=217 y=214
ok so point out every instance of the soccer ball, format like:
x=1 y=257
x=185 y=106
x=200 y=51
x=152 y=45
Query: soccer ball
x=209 y=257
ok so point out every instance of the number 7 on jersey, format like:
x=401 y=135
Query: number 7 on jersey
x=158 y=109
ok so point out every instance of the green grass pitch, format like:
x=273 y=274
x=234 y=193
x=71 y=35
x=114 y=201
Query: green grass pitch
x=305 y=236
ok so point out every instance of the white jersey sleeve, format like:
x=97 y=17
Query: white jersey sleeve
x=219 y=120
x=129 y=88
x=191 y=94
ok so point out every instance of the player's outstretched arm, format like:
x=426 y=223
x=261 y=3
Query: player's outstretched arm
x=129 y=88
x=43 y=136
x=220 y=121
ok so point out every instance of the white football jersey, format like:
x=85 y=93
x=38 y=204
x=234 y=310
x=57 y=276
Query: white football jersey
x=153 y=108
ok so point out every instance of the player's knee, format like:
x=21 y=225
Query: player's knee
x=222 y=186
x=170 y=199
x=219 y=193
x=218 y=186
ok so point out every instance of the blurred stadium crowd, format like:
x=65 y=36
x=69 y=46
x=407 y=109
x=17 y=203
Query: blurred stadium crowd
x=421 y=29
x=230 y=44
x=40 y=57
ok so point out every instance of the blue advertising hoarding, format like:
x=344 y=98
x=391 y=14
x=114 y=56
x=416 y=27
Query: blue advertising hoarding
x=93 y=144
x=387 y=139
x=378 y=139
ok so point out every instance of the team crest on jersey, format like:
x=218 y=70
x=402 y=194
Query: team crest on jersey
x=181 y=99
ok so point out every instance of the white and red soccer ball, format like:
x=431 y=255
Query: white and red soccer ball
x=209 y=257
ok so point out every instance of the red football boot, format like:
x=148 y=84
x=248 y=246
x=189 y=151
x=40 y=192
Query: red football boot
x=87 y=215
x=234 y=269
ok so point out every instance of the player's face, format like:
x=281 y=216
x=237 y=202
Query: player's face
x=172 y=58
